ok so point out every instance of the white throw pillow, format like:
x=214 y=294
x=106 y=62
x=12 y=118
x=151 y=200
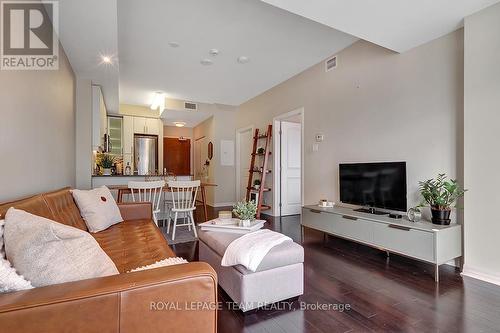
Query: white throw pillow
x=98 y=208
x=2 y=251
x=9 y=279
x=47 y=252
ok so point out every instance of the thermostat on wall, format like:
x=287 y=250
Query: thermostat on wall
x=320 y=137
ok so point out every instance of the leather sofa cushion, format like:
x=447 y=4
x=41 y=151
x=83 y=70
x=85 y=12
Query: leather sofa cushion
x=64 y=209
x=35 y=205
x=133 y=243
x=284 y=254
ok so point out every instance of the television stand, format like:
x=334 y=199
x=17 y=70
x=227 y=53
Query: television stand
x=424 y=241
x=371 y=211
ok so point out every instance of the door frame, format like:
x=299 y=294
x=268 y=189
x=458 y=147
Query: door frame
x=191 y=150
x=239 y=131
x=276 y=211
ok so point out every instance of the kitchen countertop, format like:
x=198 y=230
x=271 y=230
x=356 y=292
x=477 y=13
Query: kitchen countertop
x=119 y=176
x=102 y=176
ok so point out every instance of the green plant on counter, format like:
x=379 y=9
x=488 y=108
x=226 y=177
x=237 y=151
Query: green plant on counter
x=245 y=210
x=257 y=182
x=105 y=161
x=440 y=193
x=260 y=151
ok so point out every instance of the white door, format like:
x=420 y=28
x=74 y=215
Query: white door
x=244 y=142
x=291 y=168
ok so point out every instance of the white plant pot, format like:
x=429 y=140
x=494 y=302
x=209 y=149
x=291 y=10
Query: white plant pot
x=245 y=223
x=106 y=172
x=256 y=187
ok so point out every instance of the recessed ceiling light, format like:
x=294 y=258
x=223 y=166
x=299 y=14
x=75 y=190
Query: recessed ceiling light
x=106 y=59
x=206 y=62
x=174 y=44
x=179 y=123
x=213 y=52
x=243 y=59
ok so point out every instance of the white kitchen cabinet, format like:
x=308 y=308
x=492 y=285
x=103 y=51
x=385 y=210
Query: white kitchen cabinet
x=153 y=126
x=140 y=125
x=143 y=125
x=99 y=118
x=115 y=133
x=128 y=134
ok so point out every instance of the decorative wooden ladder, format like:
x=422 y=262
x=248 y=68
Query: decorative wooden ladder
x=263 y=170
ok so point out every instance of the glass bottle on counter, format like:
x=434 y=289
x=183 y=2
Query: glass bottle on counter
x=128 y=169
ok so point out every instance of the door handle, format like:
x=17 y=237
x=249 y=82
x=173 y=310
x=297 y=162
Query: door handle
x=395 y=226
x=352 y=218
x=315 y=211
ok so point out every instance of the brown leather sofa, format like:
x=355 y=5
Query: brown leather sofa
x=179 y=298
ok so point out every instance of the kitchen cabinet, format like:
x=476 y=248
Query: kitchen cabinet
x=99 y=118
x=153 y=126
x=115 y=132
x=143 y=125
x=128 y=134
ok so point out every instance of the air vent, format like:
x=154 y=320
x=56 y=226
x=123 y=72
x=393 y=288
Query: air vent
x=331 y=64
x=190 y=106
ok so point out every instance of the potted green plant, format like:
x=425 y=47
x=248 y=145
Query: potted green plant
x=260 y=151
x=246 y=212
x=106 y=161
x=440 y=194
x=256 y=183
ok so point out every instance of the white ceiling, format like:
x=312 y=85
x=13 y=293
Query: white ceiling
x=86 y=30
x=279 y=44
x=191 y=118
x=281 y=37
x=398 y=25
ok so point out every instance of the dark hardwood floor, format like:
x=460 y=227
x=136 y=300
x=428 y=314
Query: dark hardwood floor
x=393 y=294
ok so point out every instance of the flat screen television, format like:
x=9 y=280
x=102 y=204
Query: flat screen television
x=378 y=185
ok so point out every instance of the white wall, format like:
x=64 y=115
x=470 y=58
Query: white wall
x=375 y=106
x=83 y=134
x=221 y=126
x=482 y=136
x=37 y=132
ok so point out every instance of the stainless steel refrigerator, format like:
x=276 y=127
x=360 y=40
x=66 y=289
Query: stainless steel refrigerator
x=145 y=154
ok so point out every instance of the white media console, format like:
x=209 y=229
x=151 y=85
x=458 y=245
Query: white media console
x=436 y=244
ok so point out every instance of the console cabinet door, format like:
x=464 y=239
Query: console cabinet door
x=316 y=219
x=352 y=227
x=415 y=243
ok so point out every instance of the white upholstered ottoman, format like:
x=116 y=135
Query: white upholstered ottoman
x=280 y=275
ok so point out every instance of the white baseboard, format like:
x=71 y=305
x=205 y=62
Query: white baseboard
x=481 y=275
x=222 y=204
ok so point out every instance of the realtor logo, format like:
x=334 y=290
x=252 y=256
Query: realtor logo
x=29 y=35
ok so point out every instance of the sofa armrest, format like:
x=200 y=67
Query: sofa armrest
x=136 y=210
x=179 y=298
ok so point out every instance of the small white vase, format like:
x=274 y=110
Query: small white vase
x=106 y=172
x=245 y=223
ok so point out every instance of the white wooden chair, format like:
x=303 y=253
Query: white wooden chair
x=183 y=201
x=148 y=192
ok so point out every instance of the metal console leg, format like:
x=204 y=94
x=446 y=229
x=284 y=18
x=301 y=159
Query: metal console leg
x=436 y=273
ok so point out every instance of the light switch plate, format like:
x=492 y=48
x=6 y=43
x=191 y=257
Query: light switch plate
x=315 y=147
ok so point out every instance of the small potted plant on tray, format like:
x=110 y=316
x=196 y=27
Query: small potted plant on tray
x=106 y=161
x=256 y=184
x=261 y=151
x=246 y=212
x=440 y=194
